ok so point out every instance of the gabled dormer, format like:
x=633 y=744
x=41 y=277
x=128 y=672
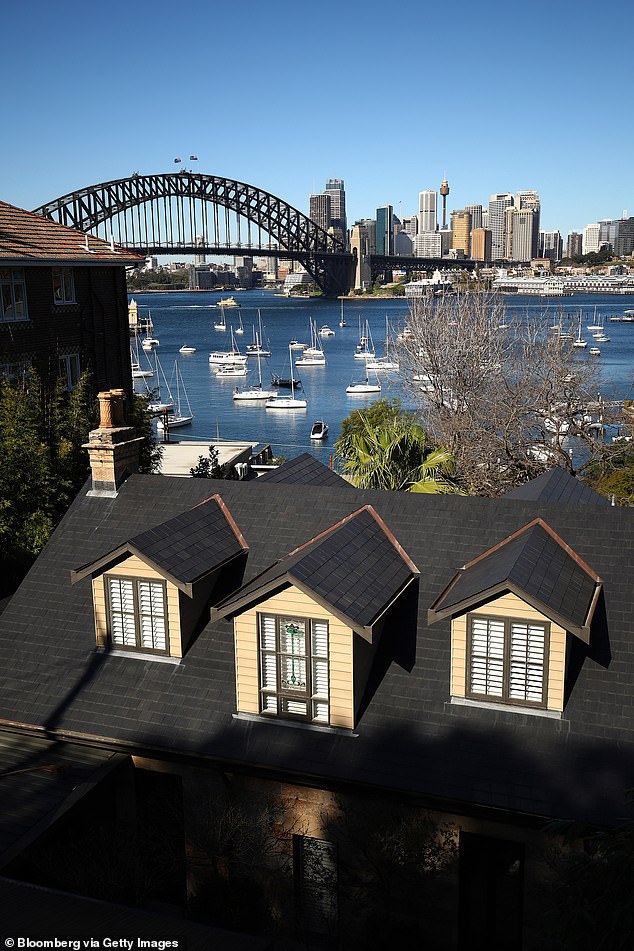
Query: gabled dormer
x=307 y=628
x=512 y=610
x=151 y=592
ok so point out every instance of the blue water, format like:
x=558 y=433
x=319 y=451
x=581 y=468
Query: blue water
x=188 y=318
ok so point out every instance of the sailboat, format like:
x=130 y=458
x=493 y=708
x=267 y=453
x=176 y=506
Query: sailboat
x=255 y=392
x=365 y=347
x=363 y=387
x=313 y=356
x=256 y=348
x=240 y=328
x=286 y=402
x=178 y=417
x=594 y=325
x=342 y=319
x=222 y=323
x=580 y=343
x=156 y=404
x=224 y=357
x=137 y=372
x=384 y=362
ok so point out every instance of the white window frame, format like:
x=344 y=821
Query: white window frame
x=12 y=278
x=501 y=663
x=69 y=370
x=282 y=701
x=66 y=278
x=132 y=639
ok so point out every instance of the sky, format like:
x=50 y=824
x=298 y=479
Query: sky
x=283 y=95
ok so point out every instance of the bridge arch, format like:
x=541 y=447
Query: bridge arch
x=187 y=212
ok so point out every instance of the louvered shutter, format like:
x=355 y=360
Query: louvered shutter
x=526 y=675
x=152 y=615
x=320 y=670
x=268 y=664
x=122 y=627
x=487 y=657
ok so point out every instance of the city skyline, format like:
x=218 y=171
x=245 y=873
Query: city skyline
x=147 y=91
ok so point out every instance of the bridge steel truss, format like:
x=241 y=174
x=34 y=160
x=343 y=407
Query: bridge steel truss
x=191 y=213
x=382 y=265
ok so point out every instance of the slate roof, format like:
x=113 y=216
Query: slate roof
x=305 y=470
x=354 y=568
x=27 y=238
x=410 y=738
x=185 y=547
x=536 y=564
x=557 y=485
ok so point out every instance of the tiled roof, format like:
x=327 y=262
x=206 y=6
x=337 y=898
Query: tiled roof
x=354 y=568
x=27 y=238
x=410 y=737
x=185 y=547
x=534 y=563
x=557 y=485
x=304 y=470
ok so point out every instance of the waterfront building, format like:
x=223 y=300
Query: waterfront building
x=461 y=231
x=321 y=210
x=574 y=245
x=625 y=238
x=384 y=230
x=476 y=215
x=550 y=245
x=428 y=244
x=481 y=243
x=427 y=211
x=591 y=238
x=498 y=204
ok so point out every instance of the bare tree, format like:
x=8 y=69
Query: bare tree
x=505 y=394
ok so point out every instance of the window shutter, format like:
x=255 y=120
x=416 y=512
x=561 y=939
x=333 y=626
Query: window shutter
x=526 y=677
x=267 y=632
x=487 y=657
x=122 y=612
x=152 y=615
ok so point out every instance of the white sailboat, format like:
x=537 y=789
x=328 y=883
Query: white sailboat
x=363 y=387
x=158 y=403
x=313 y=356
x=342 y=319
x=286 y=402
x=594 y=325
x=255 y=392
x=257 y=347
x=239 y=330
x=225 y=357
x=580 y=343
x=179 y=416
x=365 y=347
x=138 y=372
x=221 y=324
x=384 y=362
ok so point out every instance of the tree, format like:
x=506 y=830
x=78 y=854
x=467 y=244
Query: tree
x=396 y=455
x=505 y=395
x=207 y=467
x=376 y=414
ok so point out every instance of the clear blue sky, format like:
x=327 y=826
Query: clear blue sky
x=284 y=95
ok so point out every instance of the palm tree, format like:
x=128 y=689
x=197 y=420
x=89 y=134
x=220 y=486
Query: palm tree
x=396 y=455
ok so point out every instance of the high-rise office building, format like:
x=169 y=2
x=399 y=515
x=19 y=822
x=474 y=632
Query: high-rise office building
x=529 y=200
x=460 y=231
x=521 y=232
x=550 y=245
x=574 y=245
x=625 y=238
x=481 y=244
x=410 y=226
x=498 y=204
x=428 y=244
x=370 y=226
x=609 y=233
x=476 y=215
x=591 y=238
x=321 y=210
x=335 y=188
x=384 y=230
x=427 y=211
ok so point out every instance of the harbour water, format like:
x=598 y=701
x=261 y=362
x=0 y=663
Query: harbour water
x=188 y=317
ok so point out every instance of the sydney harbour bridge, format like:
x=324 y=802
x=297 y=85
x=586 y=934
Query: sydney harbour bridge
x=191 y=213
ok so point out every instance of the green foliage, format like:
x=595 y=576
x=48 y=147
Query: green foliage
x=151 y=451
x=376 y=414
x=613 y=474
x=158 y=280
x=208 y=467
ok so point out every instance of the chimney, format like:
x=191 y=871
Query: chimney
x=113 y=448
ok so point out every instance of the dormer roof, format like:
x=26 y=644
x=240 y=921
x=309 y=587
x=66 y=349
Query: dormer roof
x=305 y=470
x=356 y=569
x=557 y=485
x=183 y=549
x=536 y=564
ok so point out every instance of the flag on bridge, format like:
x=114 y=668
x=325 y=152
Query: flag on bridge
x=193 y=158
x=179 y=159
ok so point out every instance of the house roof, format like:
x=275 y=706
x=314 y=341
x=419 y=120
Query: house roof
x=355 y=568
x=409 y=738
x=304 y=470
x=557 y=485
x=27 y=238
x=536 y=564
x=184 y=548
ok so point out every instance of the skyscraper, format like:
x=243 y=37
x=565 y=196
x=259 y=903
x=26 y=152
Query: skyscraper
x=625 y=238
x=476 y=215
x=498 y=204
x=460 y=231
x=335 y=188
x=550 y=245
x=321 y=210
x=481 y=244
x=427 y=213
x=609 y=233
x=529 y=199
x=523 y=246
x=591 y=238
x=384 y=230
x=574 y=245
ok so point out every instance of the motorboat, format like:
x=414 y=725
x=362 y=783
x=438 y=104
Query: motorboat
x=319 y=429
x=186 y=349
x=231 y=370
x=286 y=382
x=228 y=302
x=225 y=357
x=325 y=331
x=296 y=345
x=179 y=416
x=594 y=352
x=287 y=402
x=148 y=342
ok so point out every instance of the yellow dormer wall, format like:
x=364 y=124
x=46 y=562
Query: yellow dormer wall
x=133 y=567
x=509 y=605
x=294 y=603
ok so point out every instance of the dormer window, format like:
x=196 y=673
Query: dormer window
x=137 y=614
x=294 y=677
x=12 y=294
x=63 y=285
x=506 y=660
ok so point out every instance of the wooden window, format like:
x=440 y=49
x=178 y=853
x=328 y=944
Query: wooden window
x=316 y=884
x=12 y=294
x=63 y=285
x=506 y=660
x=294 y=677
x=69 y=370
x=137 y=614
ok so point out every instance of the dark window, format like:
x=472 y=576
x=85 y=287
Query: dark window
x=137 y=614
x=69 y=370
x=491 y=893
x=294 y=678
x=316 y=881
x=12 y=294
x=63 y=285
x=506 y=660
